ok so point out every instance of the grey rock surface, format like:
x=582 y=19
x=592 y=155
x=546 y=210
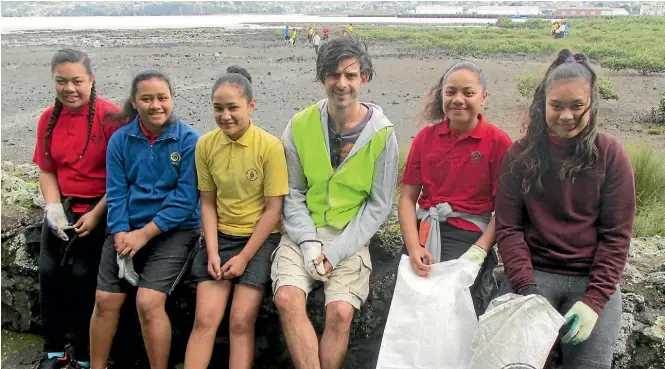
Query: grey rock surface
x=641 y=344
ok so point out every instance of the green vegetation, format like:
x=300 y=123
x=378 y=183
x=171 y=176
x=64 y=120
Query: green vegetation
x=19 y=347
x=606 y=89
x=527 y=83
x=653 y=121
x=505 y=22
x=656 y=116
x=649 y=221
x=627 y=43
x=649 y=169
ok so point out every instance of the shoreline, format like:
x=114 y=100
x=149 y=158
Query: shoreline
x=11 y=25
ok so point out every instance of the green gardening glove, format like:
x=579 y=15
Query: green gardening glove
x=584 y=319
x=476 y=254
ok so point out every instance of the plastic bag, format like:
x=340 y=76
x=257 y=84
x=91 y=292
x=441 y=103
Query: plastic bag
x=432 y=321
x=515 y=332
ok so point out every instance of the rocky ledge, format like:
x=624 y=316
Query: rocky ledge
x=641 y=346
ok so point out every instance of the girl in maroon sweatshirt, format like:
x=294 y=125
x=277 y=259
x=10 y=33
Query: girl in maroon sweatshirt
x=564 y=212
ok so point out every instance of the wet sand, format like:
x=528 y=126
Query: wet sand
x=283 y=80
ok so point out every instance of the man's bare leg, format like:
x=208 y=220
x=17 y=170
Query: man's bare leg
x=300 y=335
x=335 y=339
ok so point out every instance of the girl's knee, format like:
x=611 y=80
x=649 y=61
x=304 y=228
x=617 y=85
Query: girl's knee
x=241 y=323
x=108 y=302
x=206 y=322
x=150 y=302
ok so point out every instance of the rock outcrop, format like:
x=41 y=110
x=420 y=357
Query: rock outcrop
x=641 y=346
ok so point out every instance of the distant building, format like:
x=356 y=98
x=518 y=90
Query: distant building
x=591 y=12
x=506 y=10
x=480 y=10
x=439 y=9
x=652 y=9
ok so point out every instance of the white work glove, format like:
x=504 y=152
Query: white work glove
x=57 y=220
x=311 y=250
x=126 y=270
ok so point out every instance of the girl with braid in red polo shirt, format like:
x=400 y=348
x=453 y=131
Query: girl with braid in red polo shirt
x=71 y=155
x=451 y=173
x=565 y=210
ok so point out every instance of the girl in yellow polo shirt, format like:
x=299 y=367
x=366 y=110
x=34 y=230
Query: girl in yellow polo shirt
x=242 y=179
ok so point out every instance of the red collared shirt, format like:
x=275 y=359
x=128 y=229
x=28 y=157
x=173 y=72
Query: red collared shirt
x=460 y=170
x=151 y=137
x=85 y=176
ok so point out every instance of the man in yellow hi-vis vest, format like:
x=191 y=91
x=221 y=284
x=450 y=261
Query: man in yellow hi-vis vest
x=342 y=160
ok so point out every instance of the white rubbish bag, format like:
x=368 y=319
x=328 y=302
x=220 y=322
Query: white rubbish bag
x=516 y=332
x=432 y=321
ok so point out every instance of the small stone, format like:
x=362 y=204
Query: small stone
x=633 y=303
x=657 y=331
x=657 y=279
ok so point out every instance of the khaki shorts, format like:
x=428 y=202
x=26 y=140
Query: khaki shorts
x=349 y=281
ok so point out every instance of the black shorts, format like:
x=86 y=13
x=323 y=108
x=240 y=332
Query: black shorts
x=257 y=272
x=158 y=263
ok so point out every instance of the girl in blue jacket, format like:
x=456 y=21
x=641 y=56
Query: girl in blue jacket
x=153 y=217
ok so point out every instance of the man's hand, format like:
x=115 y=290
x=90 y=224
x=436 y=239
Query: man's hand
x=323 y=261
x=311 y=251
x=235 y=267
x=57 y=220
x=421 y=261
x=132 y=242
x=87 y=223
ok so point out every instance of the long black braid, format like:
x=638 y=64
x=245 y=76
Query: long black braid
x=51 y=123
x=91 y=116
x=70 y=56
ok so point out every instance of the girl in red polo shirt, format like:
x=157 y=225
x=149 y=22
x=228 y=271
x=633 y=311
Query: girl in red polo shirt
x=565 y=211
x=71 y=155
x=452 y=173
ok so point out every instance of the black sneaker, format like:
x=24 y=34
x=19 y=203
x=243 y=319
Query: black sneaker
x=73 y=364
x=53 y=363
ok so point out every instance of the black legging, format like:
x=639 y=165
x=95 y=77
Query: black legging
x=67 y=293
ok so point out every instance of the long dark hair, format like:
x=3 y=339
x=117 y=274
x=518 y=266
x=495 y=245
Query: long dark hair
x=128 y=112
x=70 y=56
x=581 y=151
x=433 y=109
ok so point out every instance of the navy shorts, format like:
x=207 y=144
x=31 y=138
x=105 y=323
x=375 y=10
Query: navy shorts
x=257 y=272
x=158 y=263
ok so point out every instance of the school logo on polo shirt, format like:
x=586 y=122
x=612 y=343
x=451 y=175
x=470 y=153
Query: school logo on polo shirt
x=252 y=174
x=476 y=156
x=175 y=158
